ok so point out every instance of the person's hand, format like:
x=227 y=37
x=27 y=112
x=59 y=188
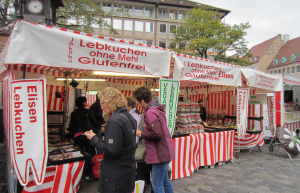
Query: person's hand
x=89 y=134
x=138 y=133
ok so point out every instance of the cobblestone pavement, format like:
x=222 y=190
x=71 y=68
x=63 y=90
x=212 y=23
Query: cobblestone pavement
x=257 y=172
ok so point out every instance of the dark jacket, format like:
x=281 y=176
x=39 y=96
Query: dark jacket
x=159 y=143
x=118 y=164
x=97 y=111
x=79 y=122
x=203 y=114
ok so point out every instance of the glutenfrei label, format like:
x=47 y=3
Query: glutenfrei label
x=242 y=111
x=168 y=95
x=85 y=51
x=29 y=128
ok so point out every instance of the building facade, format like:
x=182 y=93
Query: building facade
x=287 y=59
x=265 y=52
x=149 y=22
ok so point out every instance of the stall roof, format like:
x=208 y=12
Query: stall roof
x=46 y=48
x=290 y=79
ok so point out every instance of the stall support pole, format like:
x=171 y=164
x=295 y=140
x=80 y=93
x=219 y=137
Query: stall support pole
x=66 y=96
x=24 y=71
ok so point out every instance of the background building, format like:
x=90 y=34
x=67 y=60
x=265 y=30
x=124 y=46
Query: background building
x=149 y=22
x=287 y=59
x=264 y=53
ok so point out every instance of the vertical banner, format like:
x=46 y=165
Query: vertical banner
x=168 y=95
x=271 y=114
x=29 y=128
x=242 y=111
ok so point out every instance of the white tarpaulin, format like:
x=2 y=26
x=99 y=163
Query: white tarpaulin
x=203 y=70
x=262 y=80
x=242 y=111
x=29 y=128
x=48 y=46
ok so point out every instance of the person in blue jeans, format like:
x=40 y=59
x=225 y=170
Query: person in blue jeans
x=159 y=144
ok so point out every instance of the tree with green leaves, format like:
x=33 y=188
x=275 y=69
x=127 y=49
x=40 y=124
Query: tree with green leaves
x=8 y=11
x=84 y=15
x=202 y=30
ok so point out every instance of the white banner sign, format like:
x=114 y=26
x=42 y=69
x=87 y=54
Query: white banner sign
x=271 y=114
x=53 y=47
x=242 y=111
x=202 y=70
x=29 y=128
x=168 y=95
x=262 y=80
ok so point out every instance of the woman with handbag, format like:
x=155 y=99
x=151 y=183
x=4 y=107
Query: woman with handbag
x=159 y=144
x=83 y=120
x=118 y=164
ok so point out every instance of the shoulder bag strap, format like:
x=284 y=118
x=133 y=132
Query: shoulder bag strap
x=133 y=130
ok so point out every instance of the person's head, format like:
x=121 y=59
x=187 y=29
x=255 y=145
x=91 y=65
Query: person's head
x=155 y=98
x=81 y=102
x=131 y=103
x=143 y=95
x=180 y=99
x=97 y=99
x=200 y=102
x=111 y=100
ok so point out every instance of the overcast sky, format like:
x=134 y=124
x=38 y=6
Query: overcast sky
x=267 y=17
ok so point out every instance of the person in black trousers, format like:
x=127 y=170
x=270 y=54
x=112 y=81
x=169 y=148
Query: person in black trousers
x=202 y=110
x=82 y=120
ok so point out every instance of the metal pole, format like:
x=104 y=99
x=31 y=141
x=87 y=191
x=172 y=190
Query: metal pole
x=24 y=71
x=66 y=96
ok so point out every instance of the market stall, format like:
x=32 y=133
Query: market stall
x=45 y=54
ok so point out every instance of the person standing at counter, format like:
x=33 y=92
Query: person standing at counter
x=83 y=120
x=159 y=144
x=98 y=113
x=131 y=108
x=118 y=164
x=202 y=110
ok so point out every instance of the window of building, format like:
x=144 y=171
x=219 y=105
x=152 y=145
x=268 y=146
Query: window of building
x=275 y=71
x=138 y=11
x=172 y=28
x=106 y=7
x=275 y=62
x=293 y=69
x=118 y=8
x=162 y=44
x=128 y=24
x=293 y=57
x=179 y=15
x=298 y=68
x=271 y=72
x=149 y=42
x=138 y=41
x=279 y=71
x=181 y=46
x=288 y=70
x=251 y=59
x=172 y=45
x=128 y=10
x=171 y=15
x=106 y=22
x=255 y=58
x=149 y=27
x=139 y=26
x=162 y=28
x=148 y=12
x=117 y=24
x=163 y=14
x=127 y=39
x=283 y=70
x=283 y=59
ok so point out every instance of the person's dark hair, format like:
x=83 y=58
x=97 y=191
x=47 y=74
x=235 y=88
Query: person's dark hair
x=97 y=99
x=79 y=102
x=200 y=101
x=131 y=101
x=143 y=93
x=180 y=99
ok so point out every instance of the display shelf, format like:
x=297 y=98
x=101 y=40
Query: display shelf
x=292 y=112
x=287 y=122
x=250 y=118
